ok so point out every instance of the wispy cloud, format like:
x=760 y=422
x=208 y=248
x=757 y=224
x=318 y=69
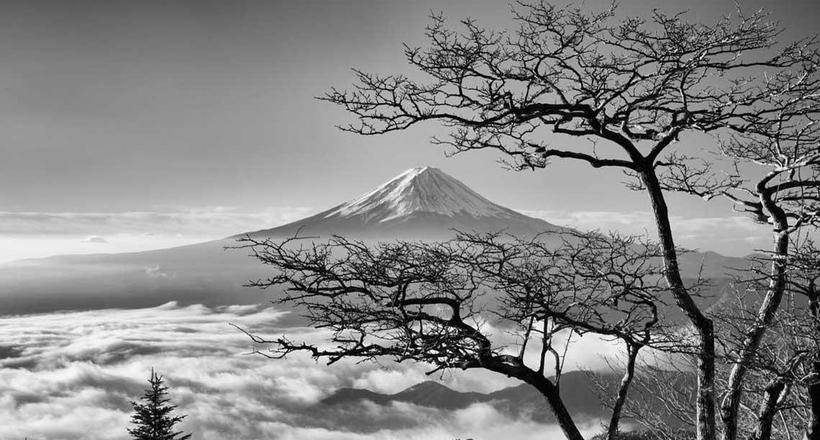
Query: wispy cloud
x=57 y=374
x=94 y=239
x=42 y=234
x=194 y=221
x=735 y=235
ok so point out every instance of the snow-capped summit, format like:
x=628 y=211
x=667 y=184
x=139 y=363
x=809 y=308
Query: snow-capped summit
x=419 y=190
x=419 y=203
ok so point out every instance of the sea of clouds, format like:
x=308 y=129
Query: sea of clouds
x=71 y=375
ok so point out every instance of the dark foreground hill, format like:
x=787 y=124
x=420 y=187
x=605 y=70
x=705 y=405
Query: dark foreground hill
x=577 y=390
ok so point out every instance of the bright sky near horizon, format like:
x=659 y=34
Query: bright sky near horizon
x=135 y=125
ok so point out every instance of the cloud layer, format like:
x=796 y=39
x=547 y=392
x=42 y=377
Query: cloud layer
x=195 y=221
x=59 y=371
x=42 y=234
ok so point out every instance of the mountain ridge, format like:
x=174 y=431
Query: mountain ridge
x=519 y=400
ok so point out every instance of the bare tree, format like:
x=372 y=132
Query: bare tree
x=804 y=331
x=780 y=374
x=776 y=178
x=480 y=301
x=777 y=388
x=631 y=86
x=666 y=395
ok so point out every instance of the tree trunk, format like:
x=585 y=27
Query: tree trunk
x=813 y=430
x=617 y=408
x=547 y=389
x=768 y=408
x=756 y=332
x=705 y=402
x=552 y=395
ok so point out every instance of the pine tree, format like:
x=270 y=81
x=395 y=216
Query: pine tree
x=153 y=418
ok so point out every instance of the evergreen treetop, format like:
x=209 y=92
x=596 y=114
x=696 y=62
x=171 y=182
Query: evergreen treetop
x=153 y=417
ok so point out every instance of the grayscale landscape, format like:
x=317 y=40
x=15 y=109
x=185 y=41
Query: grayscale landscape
x=409 y=220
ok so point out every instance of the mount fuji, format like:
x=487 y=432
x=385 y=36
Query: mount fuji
x=419 y=204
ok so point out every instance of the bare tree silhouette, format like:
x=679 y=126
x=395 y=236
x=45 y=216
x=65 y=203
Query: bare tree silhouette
x=479 y=301
x=632 y=86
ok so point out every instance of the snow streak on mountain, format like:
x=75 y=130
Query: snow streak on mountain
x=424 y=189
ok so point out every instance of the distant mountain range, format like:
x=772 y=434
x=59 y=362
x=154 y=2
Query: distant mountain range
x=577 y=390
x=363 y=411
x=419 y=204
x=348 y=409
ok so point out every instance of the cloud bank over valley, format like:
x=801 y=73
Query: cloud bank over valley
x=61 y=370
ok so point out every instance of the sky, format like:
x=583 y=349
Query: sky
x=203 y=113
